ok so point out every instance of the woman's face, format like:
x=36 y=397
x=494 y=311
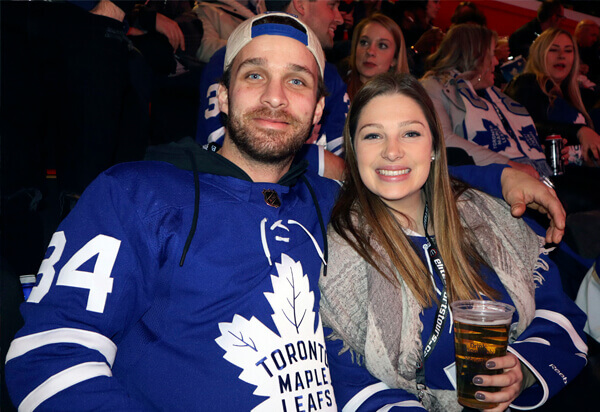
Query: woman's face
x=375 y=51
x=394 y=147
x=559 y=58
x=487 y=69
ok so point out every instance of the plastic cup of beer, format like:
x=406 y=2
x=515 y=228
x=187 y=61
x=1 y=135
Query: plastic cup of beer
x=480 y=333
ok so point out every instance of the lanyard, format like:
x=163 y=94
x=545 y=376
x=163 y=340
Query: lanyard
x=442 y=311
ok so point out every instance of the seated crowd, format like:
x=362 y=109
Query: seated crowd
x=305 y=163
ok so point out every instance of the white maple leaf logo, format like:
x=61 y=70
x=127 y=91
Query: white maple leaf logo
x=290 y=369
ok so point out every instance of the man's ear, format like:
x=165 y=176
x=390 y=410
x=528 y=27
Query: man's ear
x=299 y=7
x=319 y=110
x=223 y=97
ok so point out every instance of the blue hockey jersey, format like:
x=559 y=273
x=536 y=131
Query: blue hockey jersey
x=127 y=316
x=327 y=134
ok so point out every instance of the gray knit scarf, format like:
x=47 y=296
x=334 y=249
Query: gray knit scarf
x=380 y=323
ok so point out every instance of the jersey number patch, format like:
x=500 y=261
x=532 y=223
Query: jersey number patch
x=99 y=283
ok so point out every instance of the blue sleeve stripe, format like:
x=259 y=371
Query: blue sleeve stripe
x=403 y=404
x=61 y=381
x=564 y=323
x=358 y=399
x=538 y=376
x=92 y=340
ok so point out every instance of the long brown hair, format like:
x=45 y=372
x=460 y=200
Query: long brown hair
x=463 y=49
x=354 y=82
x=357 y=207
x=536 y=64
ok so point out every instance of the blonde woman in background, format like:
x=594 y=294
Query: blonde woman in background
x=549 y=90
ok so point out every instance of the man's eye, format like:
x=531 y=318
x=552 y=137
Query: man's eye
x=254 y=76
x=297 y=82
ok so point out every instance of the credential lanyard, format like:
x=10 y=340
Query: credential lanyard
x=442 y=311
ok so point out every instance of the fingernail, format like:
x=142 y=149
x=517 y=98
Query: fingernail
x=480 y=396
x=490 y=364
x=477 y=380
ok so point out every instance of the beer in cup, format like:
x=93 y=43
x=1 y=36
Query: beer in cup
x=480 y=333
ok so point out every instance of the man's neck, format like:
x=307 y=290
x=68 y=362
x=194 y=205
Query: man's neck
x=258 y=171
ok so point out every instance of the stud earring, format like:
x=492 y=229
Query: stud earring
x=432 y=158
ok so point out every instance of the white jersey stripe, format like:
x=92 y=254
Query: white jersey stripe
x=92 y=340
x=61 y=381
x=533 y=339
x=358 y=399
x=564 y=323
x=403 y=404
x=539 y=377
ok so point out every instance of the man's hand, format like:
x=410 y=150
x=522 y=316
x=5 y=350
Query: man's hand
x=521 y=191
x=170 y=29
x=107 y=8
x=525 y=168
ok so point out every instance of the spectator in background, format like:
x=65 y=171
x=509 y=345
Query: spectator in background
x=467 y=12
x=377 y=47
x=415 y=20
x=502 y=54
x=586 y=35
x=549 y=90
x=549 y=15
x=486 y=123
x=219 y=19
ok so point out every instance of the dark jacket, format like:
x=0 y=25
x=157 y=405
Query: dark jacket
x=549 y=118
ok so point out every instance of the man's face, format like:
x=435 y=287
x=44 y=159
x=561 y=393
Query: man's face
x=323 y=17
x=557 y=18
x=588 y=35
x=271 y=102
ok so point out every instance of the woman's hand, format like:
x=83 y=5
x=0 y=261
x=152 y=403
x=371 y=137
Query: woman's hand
x=510 y=382
x=590 y=143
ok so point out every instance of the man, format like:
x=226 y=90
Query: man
x=549 y=15
x=223 y=319
x=322 y=17
x=586 y=35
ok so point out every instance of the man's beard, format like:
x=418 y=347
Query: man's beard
x=267 y=146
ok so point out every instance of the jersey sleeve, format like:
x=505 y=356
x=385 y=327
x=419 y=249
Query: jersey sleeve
x=485 y=178
x=337 y=104
x=553 y=346
x=89 y=291
x=210 y=129
x=357 y=390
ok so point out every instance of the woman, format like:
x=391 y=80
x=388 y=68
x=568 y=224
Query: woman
x=380 y=294
x=377 y=47
x=491 y=127
x=549 y=90
x=460 y=84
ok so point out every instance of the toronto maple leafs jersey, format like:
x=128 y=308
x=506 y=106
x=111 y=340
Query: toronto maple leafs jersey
x=327 y=134
x=553 y=348
x=116 y=323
